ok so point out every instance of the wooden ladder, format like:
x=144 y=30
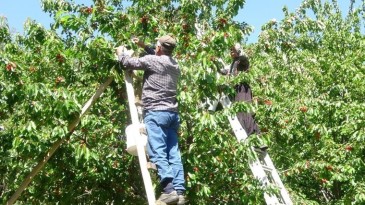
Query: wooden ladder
x=139 y=141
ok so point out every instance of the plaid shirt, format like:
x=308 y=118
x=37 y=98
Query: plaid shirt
x=161 y=74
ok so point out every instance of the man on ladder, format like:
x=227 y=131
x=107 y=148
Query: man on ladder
x=244 y=125
x=243 y=92
x=160 y=112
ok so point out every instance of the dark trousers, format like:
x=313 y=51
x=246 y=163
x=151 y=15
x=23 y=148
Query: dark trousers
x=247 y=120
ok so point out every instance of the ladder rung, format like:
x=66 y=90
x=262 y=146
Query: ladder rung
x=266 y=168
x=260 y=151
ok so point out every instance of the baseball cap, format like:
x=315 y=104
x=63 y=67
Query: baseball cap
x=167 y=41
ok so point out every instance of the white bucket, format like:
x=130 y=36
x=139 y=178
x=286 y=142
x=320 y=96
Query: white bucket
x=134 y=136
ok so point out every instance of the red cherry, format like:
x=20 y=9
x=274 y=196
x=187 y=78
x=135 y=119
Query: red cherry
x=268 y=102
x=223 y=21
x=329 y=168
x=60 y=58
x=89 y=10
x=10 y=66
x=144 y=19
x=303 y=109
x=349 y=148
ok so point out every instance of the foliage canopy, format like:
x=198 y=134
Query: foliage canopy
x=307 y=74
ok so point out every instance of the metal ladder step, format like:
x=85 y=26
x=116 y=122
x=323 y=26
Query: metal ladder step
x=266 y=168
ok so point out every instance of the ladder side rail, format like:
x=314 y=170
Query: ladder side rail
x=239 y=132
x=131 y=100
x=258 y=171
x=277 y=179
x=140 y=146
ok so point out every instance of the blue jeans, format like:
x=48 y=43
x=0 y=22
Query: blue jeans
x=163 y=148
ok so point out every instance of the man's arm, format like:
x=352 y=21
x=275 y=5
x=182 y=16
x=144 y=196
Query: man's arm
x=224 y=71
x=129 y=62
x=132 y=63
x=149 y=50
x=146 y=48
x=221 y=67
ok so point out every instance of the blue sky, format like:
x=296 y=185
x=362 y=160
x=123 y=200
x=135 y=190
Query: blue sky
x=255 y=12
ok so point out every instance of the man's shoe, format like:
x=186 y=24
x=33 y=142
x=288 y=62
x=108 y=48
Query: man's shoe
x=171 y=198
x=160 y=203
x=182 y=200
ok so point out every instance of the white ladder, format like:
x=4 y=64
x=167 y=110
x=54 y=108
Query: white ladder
x=262 y=166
